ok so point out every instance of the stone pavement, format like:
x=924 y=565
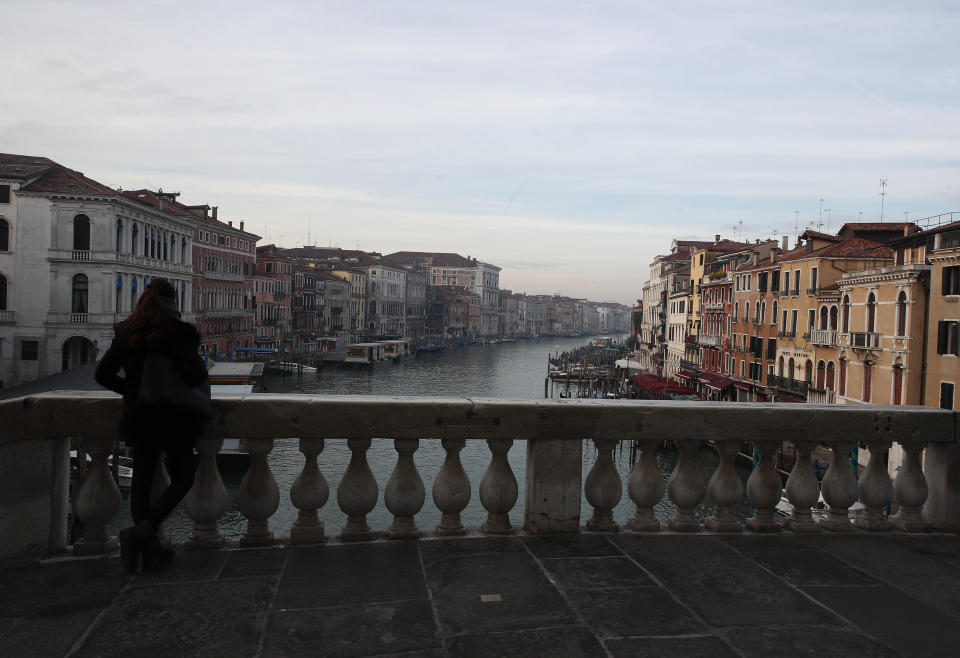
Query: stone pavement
x=575 y=595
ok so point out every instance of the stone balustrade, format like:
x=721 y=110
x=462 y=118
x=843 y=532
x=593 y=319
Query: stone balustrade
x=35 y=432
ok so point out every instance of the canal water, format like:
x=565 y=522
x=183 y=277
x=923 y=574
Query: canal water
x=505 y=370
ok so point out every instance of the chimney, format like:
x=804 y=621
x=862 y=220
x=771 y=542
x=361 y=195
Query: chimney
x=773 y=254
x=716 y=238
x=215 y=212
x=163 y=202
x=785 y=245
x=230 y=223
x=241 y=224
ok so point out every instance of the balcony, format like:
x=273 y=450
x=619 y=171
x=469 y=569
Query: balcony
x=713 y=306
x=786 y=334
x=806 y=335
x=79 y=318
x=709 y=340
x=7 y=317
x=826 y=337
x=80 y=254
x=789 y=385
x=223 y=276
x=226 y=313
x=443 y=592
x=864 y=339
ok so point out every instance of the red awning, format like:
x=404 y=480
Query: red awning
x=716 y=382
x=743 y=386
x=684 y=374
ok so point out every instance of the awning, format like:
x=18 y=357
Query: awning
x=743 y=386
x=685 y=374
x=716 y=382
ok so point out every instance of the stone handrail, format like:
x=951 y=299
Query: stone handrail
x=35 y=431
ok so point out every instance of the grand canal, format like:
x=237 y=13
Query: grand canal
x=506 y=370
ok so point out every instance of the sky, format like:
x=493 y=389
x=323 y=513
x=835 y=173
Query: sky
x=566 y=143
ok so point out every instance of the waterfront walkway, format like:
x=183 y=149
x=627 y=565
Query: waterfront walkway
x=583 y=595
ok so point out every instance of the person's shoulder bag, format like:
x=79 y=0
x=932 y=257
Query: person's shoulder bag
x=163 y=390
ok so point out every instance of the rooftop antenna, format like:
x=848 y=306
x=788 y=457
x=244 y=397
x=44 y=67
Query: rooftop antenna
x=906 y=216
x=740 y=222
x=860 y=216
x=796 y=222
x=820 y=216
x=827 y=210
x=308 y=227
x=883 y=193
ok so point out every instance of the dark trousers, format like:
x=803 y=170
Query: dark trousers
x=181 y=466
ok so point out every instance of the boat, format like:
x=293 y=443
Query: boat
x=297 y=367
x=364 y=354
x=235 y=377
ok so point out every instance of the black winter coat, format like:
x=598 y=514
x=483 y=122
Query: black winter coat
x=182 y=342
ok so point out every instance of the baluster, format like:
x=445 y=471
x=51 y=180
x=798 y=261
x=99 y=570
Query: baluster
x=603 y=488
x=97 y=501
x=258 y=496
x=910 y=490
x=725 y=490
x=839 y=489
x=686 y=488
x=498 y=489
x=876 y=489
x=803 y=491
x=161 y=480
x=764 y=490
x=206 y=501
x=451 y=489
x=645 y=488
x=358 y=492
x=308 y=494
x=404 y=494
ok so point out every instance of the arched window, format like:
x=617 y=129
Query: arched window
x=756 y=312
x=4 y=235
x=846 y=314
x=736 y=311
x=81 y=233
x=146 y=241
x=833 y=318
x=763 y=312
x=133 y=239
x=902 y=314
x=808 y=371
x=830 y=374
x=79 y=297
x=773 y=316
x=824 y=317
x=821 y=375
x=871 y=313
x=119 y=235
x=173 y=244
x=183 y=250
x=897 y=394
x=3 y=293
x=843 y=377
x=791 y=366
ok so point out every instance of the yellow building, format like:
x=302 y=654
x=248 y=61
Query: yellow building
x=810 y=335
x=938 y=250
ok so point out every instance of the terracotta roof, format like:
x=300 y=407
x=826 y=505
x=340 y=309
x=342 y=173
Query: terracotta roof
x=849 y=248
x=695 y=244
x=817 y=235
x=23 y=167
x=876 y=226
x=58 y=179
x=930 y=231
x=151 y=199
x=411 y=258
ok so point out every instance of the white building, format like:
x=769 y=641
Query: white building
x=386 y=300
x=76 y=257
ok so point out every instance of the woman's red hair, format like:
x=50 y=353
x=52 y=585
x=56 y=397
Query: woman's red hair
x=151 y=317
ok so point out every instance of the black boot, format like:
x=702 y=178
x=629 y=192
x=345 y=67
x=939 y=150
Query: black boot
x=132 y=541
x=155 y=554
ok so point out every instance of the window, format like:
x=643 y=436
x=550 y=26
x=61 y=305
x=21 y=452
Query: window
x=845 y=317
x=902 y=314
x=947 y=337
x=796 y=282
x=786 y=282
x=773 y=316
x=830 y=375
x=946 y=395
x=813 y=279
x=79 y=297
x=811 y=320
x=771 y=348
x=871 y=313
x=81 y=233
x=4 y=235
x=29 y=350
x=4 y=194
x=3 y=293
x=775 y=280
x=867 y=381
x=951 y=280
x=793 y=322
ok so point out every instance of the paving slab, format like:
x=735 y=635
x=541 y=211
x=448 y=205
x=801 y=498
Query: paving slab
x=807 y=641
x=357 y=630
x=633 y=611
x=797 y=561
x=915 y=567
x=443 y=549
x=218 y=618
x=902 y=622
x=566 y=641
x=669 y=647
x=351 y=573
x=721 y=585
x=50 y=635
x=574 y=545
x=186 y=566
x=60 y=587
x=516 y=594
x=595 y=572
x=254 y=562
